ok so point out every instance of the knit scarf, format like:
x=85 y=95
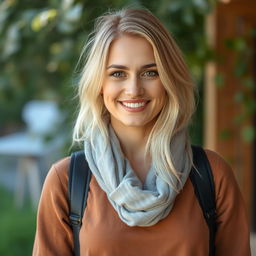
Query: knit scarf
x=137 y=204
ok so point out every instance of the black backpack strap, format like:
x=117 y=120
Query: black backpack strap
x=78 y=187
x=202 y=179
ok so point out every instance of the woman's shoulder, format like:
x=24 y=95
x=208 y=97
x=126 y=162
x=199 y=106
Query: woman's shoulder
x=218 y=164
x=58 y=173
x=62 y=166
x=223 y=174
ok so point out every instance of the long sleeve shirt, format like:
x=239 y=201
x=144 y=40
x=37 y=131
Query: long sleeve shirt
x=183 y=232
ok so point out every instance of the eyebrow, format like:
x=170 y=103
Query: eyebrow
x=124 y=67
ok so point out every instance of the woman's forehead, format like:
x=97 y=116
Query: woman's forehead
x=128 y=49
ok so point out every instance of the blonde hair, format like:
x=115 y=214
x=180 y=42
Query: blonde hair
x=173 y=73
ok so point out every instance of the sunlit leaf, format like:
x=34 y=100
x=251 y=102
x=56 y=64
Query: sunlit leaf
x=36 y=24
x=55 y=48
x=43 y=18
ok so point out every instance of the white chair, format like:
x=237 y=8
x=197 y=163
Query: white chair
x=41 y=119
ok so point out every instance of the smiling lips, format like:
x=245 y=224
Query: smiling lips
x=134 y=105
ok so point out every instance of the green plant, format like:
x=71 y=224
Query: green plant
x=242 y=49
x=17 y=227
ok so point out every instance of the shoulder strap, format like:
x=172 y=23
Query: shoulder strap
x=200 y=175
x=202 y=179
x=78 y=187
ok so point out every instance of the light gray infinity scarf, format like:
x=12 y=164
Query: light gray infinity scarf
x=135 y=203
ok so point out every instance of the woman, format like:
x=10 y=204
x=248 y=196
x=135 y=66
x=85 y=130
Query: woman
x=137 y=99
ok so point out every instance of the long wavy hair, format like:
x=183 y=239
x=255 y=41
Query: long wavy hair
x=180 y=105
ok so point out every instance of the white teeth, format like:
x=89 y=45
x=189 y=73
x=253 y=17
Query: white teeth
x=134 y=105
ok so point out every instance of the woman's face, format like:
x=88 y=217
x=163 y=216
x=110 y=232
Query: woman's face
x=132 y=91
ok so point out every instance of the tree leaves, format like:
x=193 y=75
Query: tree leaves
x=42 y=19
x=42 y=41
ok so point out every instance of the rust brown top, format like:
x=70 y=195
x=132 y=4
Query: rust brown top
x=183 y=232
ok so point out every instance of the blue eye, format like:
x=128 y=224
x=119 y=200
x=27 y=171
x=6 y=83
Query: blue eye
x=150 y=73
x=117 y=74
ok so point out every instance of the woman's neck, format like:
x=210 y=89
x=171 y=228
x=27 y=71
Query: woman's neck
x=132 y=139
x=133 y=142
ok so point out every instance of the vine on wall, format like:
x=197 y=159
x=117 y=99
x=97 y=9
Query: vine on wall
x=245 y=96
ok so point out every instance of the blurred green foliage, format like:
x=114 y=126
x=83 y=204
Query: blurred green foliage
x=17 y=227
x=244 y=56
x=40 y=44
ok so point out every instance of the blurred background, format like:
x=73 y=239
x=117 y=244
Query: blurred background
x=40 y=45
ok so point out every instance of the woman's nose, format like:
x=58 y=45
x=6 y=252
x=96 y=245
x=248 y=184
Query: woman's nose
x=134 y=87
